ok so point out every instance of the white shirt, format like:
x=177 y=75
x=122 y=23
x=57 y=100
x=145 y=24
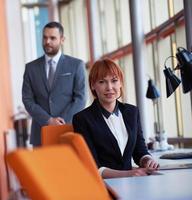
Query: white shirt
x=55 y=60
x=116 y=124
x=117 y=127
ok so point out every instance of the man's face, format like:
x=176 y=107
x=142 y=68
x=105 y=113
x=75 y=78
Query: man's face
x=52 y=41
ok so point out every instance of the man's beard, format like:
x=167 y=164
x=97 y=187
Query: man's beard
x=51 y=52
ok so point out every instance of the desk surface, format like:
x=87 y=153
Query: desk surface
x=169 y=185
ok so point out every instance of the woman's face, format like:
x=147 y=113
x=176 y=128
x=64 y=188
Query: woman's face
x=107 y=89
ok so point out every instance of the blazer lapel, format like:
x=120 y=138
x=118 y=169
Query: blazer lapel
x=58 y=71
x=127 y=120
x=105 y=128
x=43 y=72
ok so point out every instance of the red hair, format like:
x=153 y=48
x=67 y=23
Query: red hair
x=101 y=69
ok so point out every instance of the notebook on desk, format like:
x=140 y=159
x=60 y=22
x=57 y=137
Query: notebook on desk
x=176 y=166
x=177 y=155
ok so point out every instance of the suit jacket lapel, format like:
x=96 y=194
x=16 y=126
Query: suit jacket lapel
x=43 y=72
x=58 y=71
x=127 y=120
x=106 y=129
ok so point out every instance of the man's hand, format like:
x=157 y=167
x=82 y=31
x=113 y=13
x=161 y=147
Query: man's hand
x=56 y=121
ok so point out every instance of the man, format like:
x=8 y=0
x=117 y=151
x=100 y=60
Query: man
x=53 y=85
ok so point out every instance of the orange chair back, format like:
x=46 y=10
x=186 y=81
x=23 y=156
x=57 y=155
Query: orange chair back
x=55 y=173
x=77 y=142
x=50 y=134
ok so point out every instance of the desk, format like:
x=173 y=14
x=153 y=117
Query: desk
x=170 y=185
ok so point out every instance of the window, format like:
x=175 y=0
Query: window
x=34 y=17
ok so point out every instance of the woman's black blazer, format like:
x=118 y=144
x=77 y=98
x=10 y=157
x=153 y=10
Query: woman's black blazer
x=103 y=145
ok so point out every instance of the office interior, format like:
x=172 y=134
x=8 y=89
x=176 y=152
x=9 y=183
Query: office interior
x=95 y=29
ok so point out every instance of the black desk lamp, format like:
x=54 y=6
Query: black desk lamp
x=153 y=94
x=152 y=91
x=184 y=58
x=172 y=82
x=160 y=142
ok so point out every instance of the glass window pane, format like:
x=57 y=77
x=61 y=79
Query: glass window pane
x=34 y=20
x=41 y=18
x=178 y=6
x=125 y=22
x=150 y=74
x=185 y=98
x=146 y=16
x=127 y=66
x=110 y=23
x=74 y=19
x=160 y=11
x=168 y=104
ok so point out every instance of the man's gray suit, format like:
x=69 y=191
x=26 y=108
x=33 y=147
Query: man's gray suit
x=66 y=97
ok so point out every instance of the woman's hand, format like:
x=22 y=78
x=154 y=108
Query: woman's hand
x=139 y=172
x=112 y=173
x=149 y=163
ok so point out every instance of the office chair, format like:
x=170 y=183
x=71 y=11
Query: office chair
x=77 y=142
x=55 y=173
x=50 y=134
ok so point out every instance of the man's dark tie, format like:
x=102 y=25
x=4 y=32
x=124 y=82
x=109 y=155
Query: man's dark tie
x=51 y=73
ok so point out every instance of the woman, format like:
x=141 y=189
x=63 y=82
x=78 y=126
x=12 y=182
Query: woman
x=112 y=129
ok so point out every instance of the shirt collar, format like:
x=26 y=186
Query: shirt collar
x=107 y=113
x=54 y=58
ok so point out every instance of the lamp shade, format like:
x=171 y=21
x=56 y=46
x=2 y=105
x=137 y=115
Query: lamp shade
x=184 y=58
x=152 y=91
x=172 y=82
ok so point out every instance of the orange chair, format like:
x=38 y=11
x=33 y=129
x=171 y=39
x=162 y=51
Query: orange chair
x=55 y=173
x=50 y=134
x=77 y=142
x=80 y=147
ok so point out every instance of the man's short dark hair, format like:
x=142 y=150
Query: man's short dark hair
x=55 y=25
